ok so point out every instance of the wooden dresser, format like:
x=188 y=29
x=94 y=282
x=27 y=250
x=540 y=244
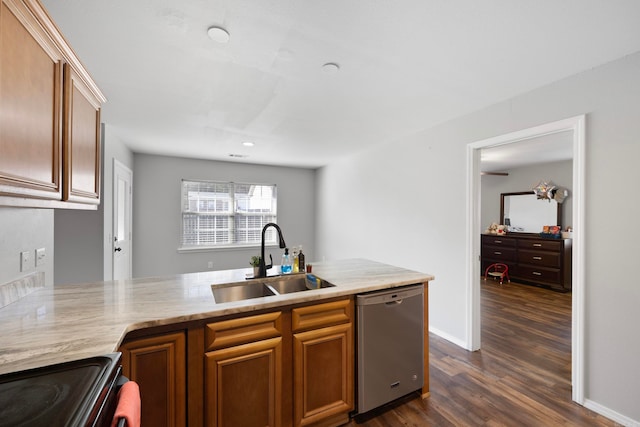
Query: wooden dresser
x=531 y=259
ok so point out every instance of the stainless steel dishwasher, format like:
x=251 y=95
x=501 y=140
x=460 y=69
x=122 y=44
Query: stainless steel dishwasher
x=390 y=345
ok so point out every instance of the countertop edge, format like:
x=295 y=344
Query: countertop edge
x=47 y=328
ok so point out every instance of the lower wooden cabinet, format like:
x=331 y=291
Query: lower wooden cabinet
x=323 y=374
x=291 y=367
x=158 y=365
x=244 y=385
x=323 y=359
x=243 y=372
x=297 y=370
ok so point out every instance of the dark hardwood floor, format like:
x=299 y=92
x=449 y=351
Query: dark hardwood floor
x=520 y=377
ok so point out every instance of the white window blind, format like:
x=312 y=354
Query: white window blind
x=226 y=214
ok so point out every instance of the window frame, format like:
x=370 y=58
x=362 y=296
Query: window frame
x=233 y=214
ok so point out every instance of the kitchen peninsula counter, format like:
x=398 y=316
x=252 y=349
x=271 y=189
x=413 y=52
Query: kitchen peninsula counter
x=70 y=322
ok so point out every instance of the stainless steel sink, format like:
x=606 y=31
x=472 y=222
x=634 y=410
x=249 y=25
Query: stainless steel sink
x=271 y=287
x=240 y=292
x=287 y=285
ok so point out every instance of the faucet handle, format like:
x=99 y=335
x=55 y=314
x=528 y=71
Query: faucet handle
x=268 y=266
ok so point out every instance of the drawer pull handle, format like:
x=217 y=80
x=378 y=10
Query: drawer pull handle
x=535 y=273
x=497 y=253
x=537 y=258
x=497 y=241
x=537 y=245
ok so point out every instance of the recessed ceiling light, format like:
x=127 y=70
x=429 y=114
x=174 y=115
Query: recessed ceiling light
x=330 y=68
x=248 y=144
x=238 y=156
x=218 y=34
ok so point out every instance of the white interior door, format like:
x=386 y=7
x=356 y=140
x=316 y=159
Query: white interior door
x=121 y=248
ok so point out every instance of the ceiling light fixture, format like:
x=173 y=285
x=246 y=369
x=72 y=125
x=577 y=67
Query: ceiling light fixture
x=218 y=34
x=330 y=68
x=248 y=144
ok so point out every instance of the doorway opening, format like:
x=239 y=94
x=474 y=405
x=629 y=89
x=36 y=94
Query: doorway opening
x=576 y=125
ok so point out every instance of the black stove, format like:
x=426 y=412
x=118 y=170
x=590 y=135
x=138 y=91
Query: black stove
x=78 y=393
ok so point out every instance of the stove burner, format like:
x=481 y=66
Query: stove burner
x=60 y=395
x=20 y=400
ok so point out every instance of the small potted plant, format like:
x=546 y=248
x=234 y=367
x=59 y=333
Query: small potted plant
x=255 y=262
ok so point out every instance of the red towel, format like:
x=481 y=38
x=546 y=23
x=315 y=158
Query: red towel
x=128 y=405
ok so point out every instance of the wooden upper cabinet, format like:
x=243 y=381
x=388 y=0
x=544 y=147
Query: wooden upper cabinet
x=30 y=106
x=49 y=114
x=81 y=141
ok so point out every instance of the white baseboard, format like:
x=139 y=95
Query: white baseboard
x=611 y=414
x=448 y=337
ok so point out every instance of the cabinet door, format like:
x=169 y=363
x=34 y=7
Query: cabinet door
x=323 y=375
x=30 y=106
x=158 y=365
x=81 y=141
x=243 y=385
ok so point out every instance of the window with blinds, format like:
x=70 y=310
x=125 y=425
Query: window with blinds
x=226 y=214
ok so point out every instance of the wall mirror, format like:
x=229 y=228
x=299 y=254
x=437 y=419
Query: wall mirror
x=523 y=212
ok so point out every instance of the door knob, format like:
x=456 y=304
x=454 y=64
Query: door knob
x=117 y=249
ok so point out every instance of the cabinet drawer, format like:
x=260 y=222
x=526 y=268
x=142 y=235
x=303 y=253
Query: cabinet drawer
x=320 y=315
x=243 y=330
x=498 y=254
x=540 y=245
x=498 y=241
x=547 y=259
x=538 y=274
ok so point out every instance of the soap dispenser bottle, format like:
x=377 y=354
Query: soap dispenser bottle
x=301 y=265
x=286 y=262
x=295 y=260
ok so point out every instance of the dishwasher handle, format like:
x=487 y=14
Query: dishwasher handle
x=395 y=302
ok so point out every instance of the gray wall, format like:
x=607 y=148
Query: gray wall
x=25 y=230
x=405 y=204
x=157 y=221
x=524 y=179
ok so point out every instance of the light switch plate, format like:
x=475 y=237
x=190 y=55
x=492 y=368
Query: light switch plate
x=40 y=256
x=25 y=261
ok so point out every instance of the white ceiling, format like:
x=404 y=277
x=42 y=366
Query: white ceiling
x=405 y=65
x=542 y=149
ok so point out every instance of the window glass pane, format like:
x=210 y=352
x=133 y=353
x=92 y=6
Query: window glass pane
x=207 y=197
x=255 y=198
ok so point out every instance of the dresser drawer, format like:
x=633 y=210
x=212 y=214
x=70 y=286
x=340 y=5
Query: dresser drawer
x=498 y=241
x=545 y=259
x=538 y=274
x=498 y=254
x=540 y=244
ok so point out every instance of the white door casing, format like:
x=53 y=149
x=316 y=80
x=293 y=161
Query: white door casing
x=122 y=209
x=577 y=126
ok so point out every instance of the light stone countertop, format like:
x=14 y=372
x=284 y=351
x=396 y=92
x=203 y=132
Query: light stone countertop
x=70 y=322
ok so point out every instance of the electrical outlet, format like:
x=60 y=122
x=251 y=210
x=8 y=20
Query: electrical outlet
x=25 y=261
x=210 y=264
x=40 y=256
